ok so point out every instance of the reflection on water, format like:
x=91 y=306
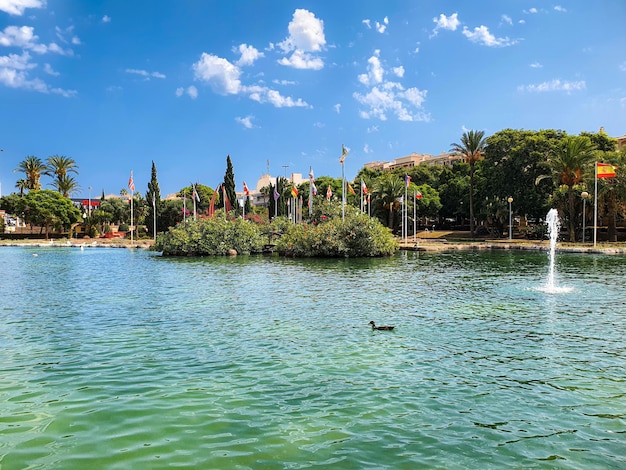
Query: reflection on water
x=123 y=359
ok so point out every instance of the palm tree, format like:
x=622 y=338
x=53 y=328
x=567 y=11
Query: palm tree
x=66 y=185
x=33 y=167
x=22 y=185
x=59 y=166
x=471 y=148
x=566 y=168
x=388 y=189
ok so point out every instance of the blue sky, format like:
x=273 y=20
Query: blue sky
x=116 y=84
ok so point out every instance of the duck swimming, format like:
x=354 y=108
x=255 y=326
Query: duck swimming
x=381 y=328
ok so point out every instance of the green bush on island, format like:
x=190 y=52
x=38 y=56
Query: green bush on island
x=214 y=236
x=358 y=235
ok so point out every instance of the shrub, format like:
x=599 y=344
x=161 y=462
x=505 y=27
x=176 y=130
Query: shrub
x=357 y=236
x=210 y=237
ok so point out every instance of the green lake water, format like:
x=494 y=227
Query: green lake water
x=118 y=359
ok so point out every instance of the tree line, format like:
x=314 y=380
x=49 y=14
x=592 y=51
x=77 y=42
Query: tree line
x=537 y=169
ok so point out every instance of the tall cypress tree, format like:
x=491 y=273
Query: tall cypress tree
x=229 y=186
x=153 y=190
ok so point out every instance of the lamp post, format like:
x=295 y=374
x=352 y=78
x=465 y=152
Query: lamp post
x=89 y=201
x=584 y=195
x=510 y=200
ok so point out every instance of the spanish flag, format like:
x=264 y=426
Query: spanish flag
x=350 y=189
x=294 y=191
x=604 y=170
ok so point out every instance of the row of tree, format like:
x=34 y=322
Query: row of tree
x=538 y=169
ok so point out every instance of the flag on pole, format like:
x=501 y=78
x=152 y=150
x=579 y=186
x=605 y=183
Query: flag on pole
x=195 y=194
x=131 y=182
x=344 y=152
x=227 y=206
x=311 y=173
x=350 y=188
x=313 y=188
x=212 y=203
x=606 y=171
x=407 y=180
x=276 y=195
x=329 y=193
x=418 y=195
x=294 y=192
x=363 y=187
x=246 y=191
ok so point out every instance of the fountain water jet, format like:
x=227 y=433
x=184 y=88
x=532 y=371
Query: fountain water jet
x=554 y=227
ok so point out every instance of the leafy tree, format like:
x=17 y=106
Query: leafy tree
x=471 y=148
x=33 y=168
x=11 y=204
x=566 y=167
x=387 y=190
x=454 y=193
x=22 y=185
x=514 y=159
x=47 y=208
x=171 y=213
x=66 y=185
x=229 y=186
x=58 y=166
x=205 y=193
x=153 y=194
x=118 y=210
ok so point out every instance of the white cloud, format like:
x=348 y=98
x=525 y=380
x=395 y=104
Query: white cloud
x=388 y=97
x=366 y=148
x=283 y=82
x=50 y=71
x=190 y=91
x=14 y=73
x=481 y=35
x=532 y=10
x=381 y=27
x=25 y=37
x=249 y=54
x=372 y=129
x=224 y=78
x=219 y=73
x=245 y=121
x=445 y=22
x=263 y=94
x=554 y=85
x=536 y=65
x=319 y=125
x=306 y=35
x=62 y=34
x=145 y=73
x=507 y=19
x=17 y=7
x=302 y=60
x=560 y=9
x=367 y=23
x=106 y=19
x=622 y=66
x=375 y=71
x=337 y=108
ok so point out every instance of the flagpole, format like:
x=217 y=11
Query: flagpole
x=154 y=215
x=194 y=202
x=184 y=206
x=595 y=206
x=343 y=193
x=414 y=215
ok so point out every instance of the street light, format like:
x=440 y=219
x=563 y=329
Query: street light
x=510 y=199
x=584 y=195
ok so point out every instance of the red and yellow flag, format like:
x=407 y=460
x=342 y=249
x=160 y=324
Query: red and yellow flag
x=294 y=191
x=605 y=170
